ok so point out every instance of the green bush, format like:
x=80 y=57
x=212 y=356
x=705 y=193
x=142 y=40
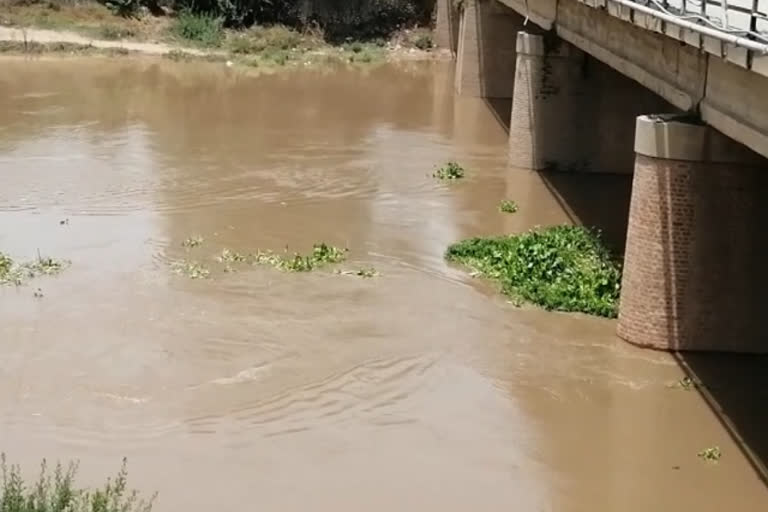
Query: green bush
x=57 y=492
x=123 y=7
x=564 y=268
x=202 y=29
x=340 y=19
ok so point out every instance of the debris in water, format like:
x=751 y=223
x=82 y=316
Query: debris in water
x=192 y=242
x=712 y=454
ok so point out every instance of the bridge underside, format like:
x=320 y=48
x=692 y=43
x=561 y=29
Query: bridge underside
x=581 y=82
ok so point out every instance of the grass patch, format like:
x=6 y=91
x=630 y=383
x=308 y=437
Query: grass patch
x=115 y=32
x=58 y=48
x=198 y=28
x=507 y=206
x=258 y=39
x=563 y=268
x=450 y=171
x=57 y=492
x=712 y=454
x=12 y=272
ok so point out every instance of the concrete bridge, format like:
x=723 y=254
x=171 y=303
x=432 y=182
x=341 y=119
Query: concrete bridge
x=673 y=91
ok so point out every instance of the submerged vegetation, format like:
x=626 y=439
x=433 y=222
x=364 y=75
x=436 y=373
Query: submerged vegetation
x=192 y=242
x=12 y=272
x=57 y=492
x=190 y=269
x=365 y=272
x=450 y=171
x=322 y=255
x=507 y=206
x=563 y=268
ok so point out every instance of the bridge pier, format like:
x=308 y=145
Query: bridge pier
x=485 y=58
x=447 y=25
x=545 y=130
x=572 y=113
x=694 y=272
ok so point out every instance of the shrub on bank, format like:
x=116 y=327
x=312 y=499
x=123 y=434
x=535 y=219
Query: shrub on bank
x=202 y=29
x=563 y=268
x=57 y=492
x=340 y=19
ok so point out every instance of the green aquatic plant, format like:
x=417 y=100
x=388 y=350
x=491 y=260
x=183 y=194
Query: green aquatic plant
x=12 y=272
x=507 y=206
x=190 y=269
x=57 y=492
x=711 y=454
x=563 y=268
x=450 y=171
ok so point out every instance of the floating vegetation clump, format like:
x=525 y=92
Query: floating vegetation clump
x=322 y=254
x=56 y=492
x=712 y=454
x=563 y=268
x=230 y=256
x=367 y=272
x=191 y=269
x=12 y=272
x=192 y=242
x=507 y=206
x=450 y=171
x=685 y=383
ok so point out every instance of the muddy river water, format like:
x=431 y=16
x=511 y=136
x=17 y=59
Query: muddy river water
x=421 y=389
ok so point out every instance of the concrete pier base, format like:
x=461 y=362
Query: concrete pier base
x=546 y=126
x=694 y=275
x=485 y=59
x=447 y=25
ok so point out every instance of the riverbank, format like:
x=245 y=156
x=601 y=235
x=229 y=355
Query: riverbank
x=92 y=29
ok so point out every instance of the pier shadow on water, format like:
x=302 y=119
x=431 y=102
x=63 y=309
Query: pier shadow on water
x=596 y=200
x=736 y=388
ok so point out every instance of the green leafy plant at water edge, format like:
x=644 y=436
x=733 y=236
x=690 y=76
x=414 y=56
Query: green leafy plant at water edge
x=563 y=268
x=450 y=171
x=199 y=28
x=12 y=272
x=712 y=454
x=508 y=206
x=57 y=492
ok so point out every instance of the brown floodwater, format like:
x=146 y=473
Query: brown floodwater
x=420 y=389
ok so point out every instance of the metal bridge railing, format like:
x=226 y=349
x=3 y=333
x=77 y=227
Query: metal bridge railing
x=739 y=22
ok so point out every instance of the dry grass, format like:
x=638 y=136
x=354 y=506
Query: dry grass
x=88 y=18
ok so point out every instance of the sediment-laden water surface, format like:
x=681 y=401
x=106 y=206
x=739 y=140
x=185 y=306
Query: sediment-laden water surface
x=418 y=389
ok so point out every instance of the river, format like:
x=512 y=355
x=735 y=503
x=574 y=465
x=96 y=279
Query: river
x=419 y=389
